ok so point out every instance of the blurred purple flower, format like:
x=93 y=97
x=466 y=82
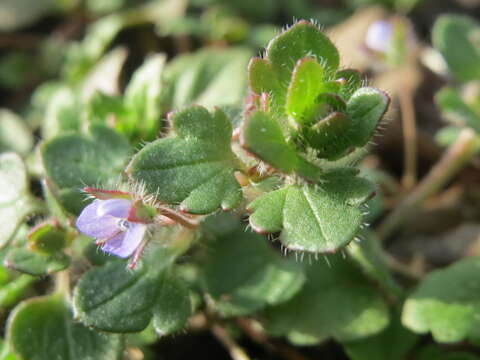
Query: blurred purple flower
x=379 y=35
x=106 y=221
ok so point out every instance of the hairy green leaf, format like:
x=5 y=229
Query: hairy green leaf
x=194 y=166
x=311 y=218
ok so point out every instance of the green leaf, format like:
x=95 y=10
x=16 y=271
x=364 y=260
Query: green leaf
x=456 y=37
x=172 y=307
x=243 y=274
x=336 y=301
x=393 y=343
x=273 y=74
x=115 y=299
x=47 y=238
x=105 y=75
x=452 y=292
x=208 y=77
x=456 y=110
x=142 y=99
x=62 y=114
x=446 y=136
x=77 y=160
x=43 y=329
x=14 y=134
x=306 y=85
x=352 y=81
x=29 y=262
x=12 y=292
x=81 y=57
x=330 y=136
x=301 y=40
x=365 y=108
x=319 y=218
x=368 y=254
x=194 y=166
x=16 y=203
x=262 y=136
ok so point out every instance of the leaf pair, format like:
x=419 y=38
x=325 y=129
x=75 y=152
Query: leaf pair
x=310 y=99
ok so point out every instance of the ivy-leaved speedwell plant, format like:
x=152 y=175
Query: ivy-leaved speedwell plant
x=286 y=157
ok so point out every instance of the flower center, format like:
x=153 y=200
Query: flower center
x=123 y=224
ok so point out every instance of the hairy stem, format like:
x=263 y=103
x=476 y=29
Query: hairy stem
x=454 y=159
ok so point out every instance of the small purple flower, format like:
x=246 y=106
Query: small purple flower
x=379 y=35
x=107 y=222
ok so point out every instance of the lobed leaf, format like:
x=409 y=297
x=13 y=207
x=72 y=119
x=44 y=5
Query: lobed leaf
x=320 y=218
x=452 y=292
x=193 y=167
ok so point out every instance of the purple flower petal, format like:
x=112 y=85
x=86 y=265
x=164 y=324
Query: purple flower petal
x=124 y=244
x=114 y=207
x=98 y=227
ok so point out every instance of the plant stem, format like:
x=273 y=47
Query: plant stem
x=410 y=137
x=236 y=352
x=454 y=159
x=62 y=283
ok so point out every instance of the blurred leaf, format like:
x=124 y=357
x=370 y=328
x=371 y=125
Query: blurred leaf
x=114 y=298
x=16 y=203
x=81 y=57
x=456 y=110
x=77 y=160
x=369 y=256
x=28 y=262
x=142 y=100
x=336 y=301
x=17 y=69
x=194 y=166
x=446 y=303
x=15 y=14
x=43 y=329
x=315 y=219
x=104 y=76
x=48 y=238
x=62 y=113
x=448 y=135
x=393 y=343
x=457 y=38
x=14 y=133
x=209 y=78
x=243 y=274
x=13 y=291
